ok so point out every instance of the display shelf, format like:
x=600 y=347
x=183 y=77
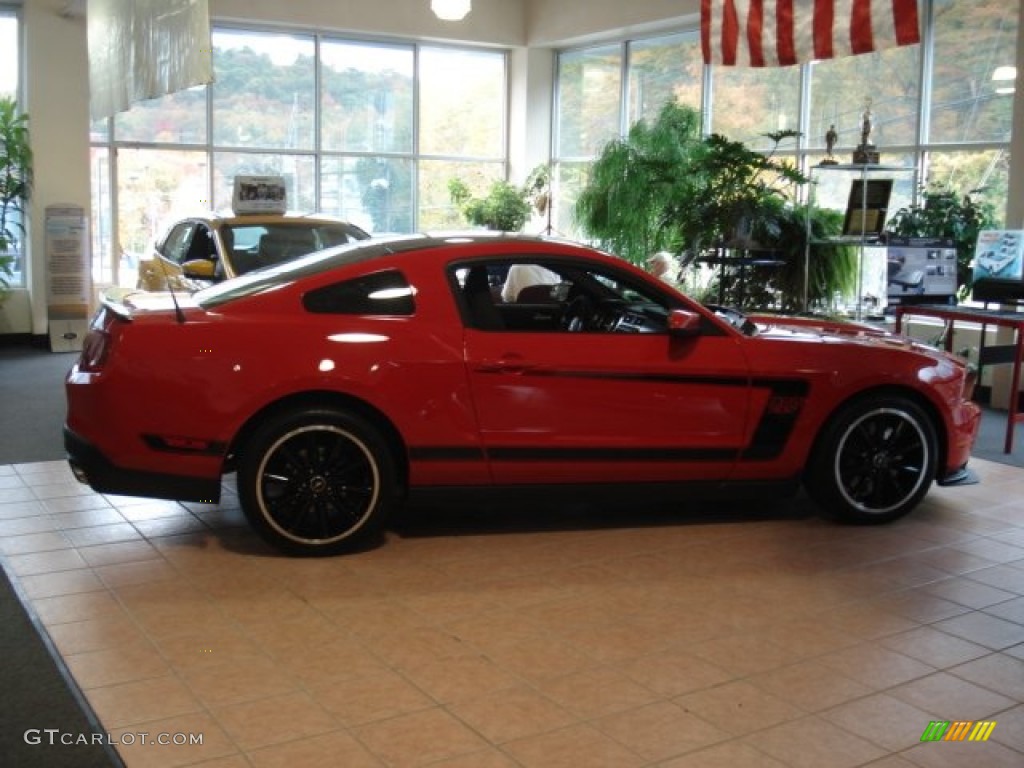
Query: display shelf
x=857 y=192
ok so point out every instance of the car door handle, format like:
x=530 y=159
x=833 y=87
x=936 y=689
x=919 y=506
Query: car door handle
x=505 y=365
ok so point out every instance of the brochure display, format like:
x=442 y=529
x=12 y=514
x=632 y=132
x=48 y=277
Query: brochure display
x=68 y=282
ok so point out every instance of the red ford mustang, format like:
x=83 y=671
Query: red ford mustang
x=338 y=384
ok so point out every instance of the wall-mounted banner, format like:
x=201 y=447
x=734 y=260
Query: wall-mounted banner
x=142 y=49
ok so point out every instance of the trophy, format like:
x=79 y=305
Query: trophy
x=866 y=153
x=830 y=144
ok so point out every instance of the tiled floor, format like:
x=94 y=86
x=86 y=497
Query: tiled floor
x=580 y=638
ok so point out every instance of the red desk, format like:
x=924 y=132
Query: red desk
x=991 y=355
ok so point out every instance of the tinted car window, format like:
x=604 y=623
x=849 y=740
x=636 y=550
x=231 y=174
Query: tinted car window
x=383 y=293
x=175 y=245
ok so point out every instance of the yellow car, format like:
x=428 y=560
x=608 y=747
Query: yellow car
x=201 y=250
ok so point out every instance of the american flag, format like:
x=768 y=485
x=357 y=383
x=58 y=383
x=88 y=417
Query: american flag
x=776 y=33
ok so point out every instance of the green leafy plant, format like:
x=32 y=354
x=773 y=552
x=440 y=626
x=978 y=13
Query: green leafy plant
x=15 y=182
x=506 y=207
x=947 y=214
x=664 y=187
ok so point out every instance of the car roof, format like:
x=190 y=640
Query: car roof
x=216 y=219
x=501 y=243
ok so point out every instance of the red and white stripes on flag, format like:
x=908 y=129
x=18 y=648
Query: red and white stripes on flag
x=777 y=33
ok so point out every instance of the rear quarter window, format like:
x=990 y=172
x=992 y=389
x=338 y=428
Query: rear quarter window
x=383 y=293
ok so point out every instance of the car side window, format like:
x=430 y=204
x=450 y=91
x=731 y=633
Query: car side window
x=557 y=295
x=175 y=246
x=382 y=293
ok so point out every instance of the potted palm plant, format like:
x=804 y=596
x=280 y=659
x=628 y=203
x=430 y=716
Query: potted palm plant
x=664 y=187
x=15 y=184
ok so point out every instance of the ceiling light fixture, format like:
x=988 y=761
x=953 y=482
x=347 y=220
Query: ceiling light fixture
x=450 y=10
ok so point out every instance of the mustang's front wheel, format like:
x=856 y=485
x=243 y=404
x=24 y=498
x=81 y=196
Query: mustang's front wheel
x=316 y=482
x=875 y=461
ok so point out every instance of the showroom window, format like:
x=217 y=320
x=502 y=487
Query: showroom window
x=370 y=132
x=10 y=68
x=956 y=131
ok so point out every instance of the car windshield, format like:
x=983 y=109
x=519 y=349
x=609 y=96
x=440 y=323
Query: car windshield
x=256 y=245
x=271 y=277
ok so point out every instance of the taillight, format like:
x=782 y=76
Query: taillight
x=94 y=351
x=96 y=347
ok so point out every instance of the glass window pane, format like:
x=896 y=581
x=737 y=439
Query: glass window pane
x=374 y=193
x=178 y=118
x=568 y=180
x=842 y=88
x=985 y=176
x=8 y=54
x=462 y=103
x=265 y=89
x=103 y=262
x=155 y=187
x=664 y=69
x=297 y=170
x=972 y=39
x=589 y=97
x=366 y=97
x=749 y=103
x=437 y=211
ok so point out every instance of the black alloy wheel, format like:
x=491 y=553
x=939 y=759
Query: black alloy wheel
x=317 y=482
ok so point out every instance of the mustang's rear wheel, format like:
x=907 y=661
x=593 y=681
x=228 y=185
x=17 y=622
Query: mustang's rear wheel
x=317 y=481
x=875 y=461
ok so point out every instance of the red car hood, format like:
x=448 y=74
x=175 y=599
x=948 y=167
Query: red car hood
x=825 y=330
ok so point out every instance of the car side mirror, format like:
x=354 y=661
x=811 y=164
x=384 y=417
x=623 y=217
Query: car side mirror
x=683 y=323
x=198 y=268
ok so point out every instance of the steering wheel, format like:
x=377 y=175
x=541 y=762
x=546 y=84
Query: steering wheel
x=578 y=314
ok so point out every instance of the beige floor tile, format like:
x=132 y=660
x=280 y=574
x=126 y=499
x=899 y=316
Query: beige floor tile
x=969 y=593
x=810 y=685
x=513 y=713
x=813 y=742
x=997 y=672
x=368 y=698
x=328 y=749
x=181 y=740
x=942 y=691
x=60 y=583
x=44 y=562
x=934 y=647
x=660 y=731
x=463 y=677
x=675 y=672
x=118 y=552
x=120 y=664
x=260 y=723
x=419 y=738
x=252 y=679
x=876 y=667
x=95 y=634
x=597 y=692
x=983 y=629
x=102 y=534
x=572 y=747
x=883 y=720
x=739 y=707
x=142 y=701
x=33 y=542
x=728 y=755
x=664 y=644
x=991 y=754
x=21 y=526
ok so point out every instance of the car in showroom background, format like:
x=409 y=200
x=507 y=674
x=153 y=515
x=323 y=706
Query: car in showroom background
x=340 y=384
x=197 y=251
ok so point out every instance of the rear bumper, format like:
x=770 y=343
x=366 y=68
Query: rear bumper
x=94 y=469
